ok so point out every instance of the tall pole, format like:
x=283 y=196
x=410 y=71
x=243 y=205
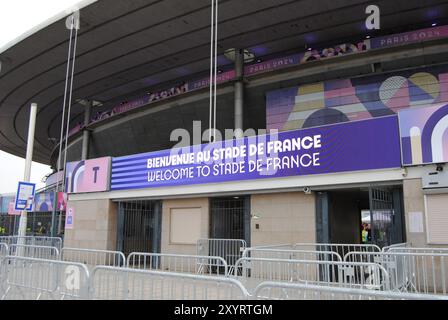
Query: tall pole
x=239 y=92
x=28 y=162
x=86 y=132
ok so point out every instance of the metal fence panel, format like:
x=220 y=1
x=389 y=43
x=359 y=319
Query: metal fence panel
x=294 y=291
x=417 y=272
x=94 y=257
x=33 y=241
x=3 y=249
x=276 y=253
x=228 y=249
x=30 y=251
x=109 y=283
x=178 y=263
x=253 y=271
x=39 y=279
x=341 y=248
x=396 y=246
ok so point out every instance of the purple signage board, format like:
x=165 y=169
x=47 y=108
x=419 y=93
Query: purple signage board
x=409 y=37
x=359 y=145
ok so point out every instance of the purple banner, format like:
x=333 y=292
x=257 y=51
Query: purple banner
x=409 y=37
x=358 y=145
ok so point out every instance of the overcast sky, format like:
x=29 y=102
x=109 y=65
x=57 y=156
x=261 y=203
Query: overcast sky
x=16 y=18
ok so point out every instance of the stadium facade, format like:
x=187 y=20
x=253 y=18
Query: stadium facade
x=348 y=134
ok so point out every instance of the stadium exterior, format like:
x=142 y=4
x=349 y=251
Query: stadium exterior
x=350 y=129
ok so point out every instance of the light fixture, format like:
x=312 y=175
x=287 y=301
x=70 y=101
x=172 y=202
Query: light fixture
x=309 y=49
x=434 y=24
x=367 y=37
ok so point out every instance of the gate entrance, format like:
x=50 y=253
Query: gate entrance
x=230 y=218
x=360 y=215
x=139 y=226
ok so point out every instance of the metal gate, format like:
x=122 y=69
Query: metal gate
x=381 y=215
x=230 y=218
x=139 y=226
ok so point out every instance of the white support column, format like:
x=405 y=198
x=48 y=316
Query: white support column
x=28 y=162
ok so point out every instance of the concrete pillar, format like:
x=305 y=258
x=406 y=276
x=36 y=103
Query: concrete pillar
x=239 y=91
x=86 y=132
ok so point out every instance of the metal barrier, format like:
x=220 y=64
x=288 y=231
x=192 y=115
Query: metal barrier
x=39 y=279
x=3 y=249
x=417 y=272
x=252 y=271
x=228 y=249
x=178 y=263
x=341 y=248
x=111 y=283
x=94 y=257
x=272 y=253
x=396 y=246
x=38 y=252
x=294 y=291
x=33 y=241
x=418 y=250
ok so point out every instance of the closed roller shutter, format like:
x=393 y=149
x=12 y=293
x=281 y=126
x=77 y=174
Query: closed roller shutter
x=437 y=218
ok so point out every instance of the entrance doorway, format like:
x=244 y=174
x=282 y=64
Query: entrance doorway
x=139 y=226
x=361 y=215
x=230 y=218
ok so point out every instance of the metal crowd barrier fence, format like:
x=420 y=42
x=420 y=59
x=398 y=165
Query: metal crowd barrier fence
x=418 y=250
x=3 y=249
x=416 y=272
x=30 y=251
x=109 y=283
x=228 y=249
x=178 y=263
x=273 y=253
x=94 y=257
x=33 y=241
x=252 y=271
x=341 y=248
x=396 y=246
x=294 y=291
x=25 y=278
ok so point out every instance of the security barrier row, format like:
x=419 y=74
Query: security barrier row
x=401 y=269
x=41 y=279
x=253 y=271
x=33 y=241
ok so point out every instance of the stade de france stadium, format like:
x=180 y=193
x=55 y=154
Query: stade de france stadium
x=347 y=128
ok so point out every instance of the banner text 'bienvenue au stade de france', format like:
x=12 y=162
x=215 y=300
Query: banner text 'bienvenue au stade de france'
x=351 y=146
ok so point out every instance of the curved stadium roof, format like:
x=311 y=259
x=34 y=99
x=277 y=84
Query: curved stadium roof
x=128 y=47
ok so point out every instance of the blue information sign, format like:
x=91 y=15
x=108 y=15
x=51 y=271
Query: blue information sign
x=25 y=196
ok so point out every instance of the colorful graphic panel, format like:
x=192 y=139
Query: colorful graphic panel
x=88 y=176
x=43 y=202
x=345 y=100
x=424 y=134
